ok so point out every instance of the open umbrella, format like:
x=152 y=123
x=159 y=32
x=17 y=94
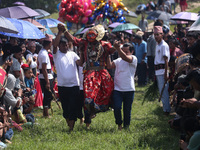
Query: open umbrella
x=126 y=26
x=49 y=22
x=18 y=12
x=185 y=16
x=162 y=15
x=174 y=22
x=130 y=14
x=79 y=31
x=7 y=26
x=37 y=24
x=42 y=13
x=128 y=31
x=26 y=30
x=48 y=31
x=19 y=3
x=195 y=26
x=114 y=25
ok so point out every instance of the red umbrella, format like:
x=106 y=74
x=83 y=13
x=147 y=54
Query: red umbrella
x=18 y=12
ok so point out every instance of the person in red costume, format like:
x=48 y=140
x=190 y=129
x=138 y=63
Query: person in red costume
x=98 y=84
x=183 y=5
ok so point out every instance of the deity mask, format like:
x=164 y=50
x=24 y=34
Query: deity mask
x=91 y=35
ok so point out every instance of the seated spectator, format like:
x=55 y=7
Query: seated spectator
x=30 y=58
x=15 y=69
x=191 y=38
x=192 y=129
x=28 y=78
x=5 y=125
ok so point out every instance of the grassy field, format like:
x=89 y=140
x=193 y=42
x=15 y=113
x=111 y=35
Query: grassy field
x=149 y=130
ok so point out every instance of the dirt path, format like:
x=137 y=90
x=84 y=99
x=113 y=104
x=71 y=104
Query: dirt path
x=178 y=9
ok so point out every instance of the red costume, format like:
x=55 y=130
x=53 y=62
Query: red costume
x=98 y=84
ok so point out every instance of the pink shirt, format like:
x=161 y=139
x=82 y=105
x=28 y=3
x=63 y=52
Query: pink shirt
x=177 y=52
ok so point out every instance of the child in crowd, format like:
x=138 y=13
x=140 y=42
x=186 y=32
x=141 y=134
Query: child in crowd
x=28 y=77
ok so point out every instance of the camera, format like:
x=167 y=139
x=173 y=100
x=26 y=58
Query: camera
x=28 y=94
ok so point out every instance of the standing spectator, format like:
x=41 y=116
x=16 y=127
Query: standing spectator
x=183 y=4
x=143 y=24
x=162 y=57
x=174 y=50
x=173 y=3
x=66 y=62
x=160 y=2
x=151 y=47
x=46 y=78
x=124 y=85
x=141 y=51
x=168 y=3
x=31 y=60
x=164 y=7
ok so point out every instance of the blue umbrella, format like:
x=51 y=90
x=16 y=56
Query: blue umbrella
x=49 y=22
x=79 y=31
x=26 y=30
x=48 y=31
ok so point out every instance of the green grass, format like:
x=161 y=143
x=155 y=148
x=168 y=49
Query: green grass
x=149 y=130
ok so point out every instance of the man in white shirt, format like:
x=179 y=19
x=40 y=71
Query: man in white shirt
x=45 y=76
x=31 y=60
x=66 y=62
x=124 y=85
x=162 y=57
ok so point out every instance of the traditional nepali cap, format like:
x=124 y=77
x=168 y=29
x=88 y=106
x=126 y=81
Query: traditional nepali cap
x=31 y=43
x=158 y=29
x=48 y=37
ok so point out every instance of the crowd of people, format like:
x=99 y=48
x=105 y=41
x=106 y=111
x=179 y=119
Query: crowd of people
x=168 y=6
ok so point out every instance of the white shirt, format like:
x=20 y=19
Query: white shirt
x=81 y=77
x=33 y=63
x=67 y=72
x=124 y=74
x=162 y=50
x=43 y=58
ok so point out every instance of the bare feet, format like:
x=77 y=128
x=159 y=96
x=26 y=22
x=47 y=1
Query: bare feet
x=93 y=116
x=87 y=126
x=82 y=121
x=120 y=127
